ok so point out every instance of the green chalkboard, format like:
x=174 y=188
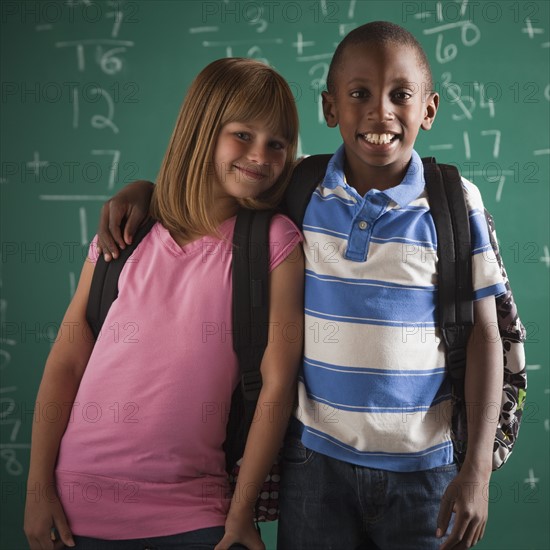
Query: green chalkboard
x=90 y=91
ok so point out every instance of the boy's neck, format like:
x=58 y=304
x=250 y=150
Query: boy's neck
x=373 y=177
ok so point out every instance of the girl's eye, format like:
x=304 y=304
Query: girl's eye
x=245 y=136
x=278 y=145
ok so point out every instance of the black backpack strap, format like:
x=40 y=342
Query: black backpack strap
x=250 y=322
x=455 y=295
x=104 y=286
x=251 y=295
x=460 y=220
x=305 y=179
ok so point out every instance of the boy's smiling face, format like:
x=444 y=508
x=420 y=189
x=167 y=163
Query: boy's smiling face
x=380 y=103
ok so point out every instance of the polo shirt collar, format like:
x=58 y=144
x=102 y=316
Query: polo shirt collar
x=409 y=189
x=412 y=184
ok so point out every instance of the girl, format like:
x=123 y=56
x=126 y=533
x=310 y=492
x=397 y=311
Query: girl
x=135 y=461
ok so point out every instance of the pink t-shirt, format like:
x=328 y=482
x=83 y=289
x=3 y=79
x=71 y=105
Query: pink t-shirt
x=142 y=454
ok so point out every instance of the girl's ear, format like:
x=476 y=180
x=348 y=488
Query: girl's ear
x=329 y=110
x=432 y=103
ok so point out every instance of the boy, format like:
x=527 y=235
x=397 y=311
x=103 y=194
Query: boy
x=368 y=457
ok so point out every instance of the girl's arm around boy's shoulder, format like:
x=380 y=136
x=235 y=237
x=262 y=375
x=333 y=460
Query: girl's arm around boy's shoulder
x=279 y=372
x=60 y=381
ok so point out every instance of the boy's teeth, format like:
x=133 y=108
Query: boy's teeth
x=378 y=138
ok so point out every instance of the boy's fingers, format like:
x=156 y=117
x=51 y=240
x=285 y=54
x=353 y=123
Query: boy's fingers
x=458 y=532
x=106 y=244
x=135 y=218
x=444 y=517
x=104 y=248
x=468 y=539
x=478 y=535
x=116 y=214
x=481 y=532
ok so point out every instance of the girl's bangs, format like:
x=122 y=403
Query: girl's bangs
x=267 y=102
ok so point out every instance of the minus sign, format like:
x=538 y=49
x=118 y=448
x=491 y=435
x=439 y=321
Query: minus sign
x=15 y=446
x=315 y=57
x=195 y=30
x=541 y=152
x=444 y=146
x=74 y=197
x=545 y=45
x=533 y=367
x=422 y=15
x=207 y=43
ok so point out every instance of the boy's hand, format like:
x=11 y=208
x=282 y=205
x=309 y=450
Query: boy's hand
x=129 y=207
x=466 y=499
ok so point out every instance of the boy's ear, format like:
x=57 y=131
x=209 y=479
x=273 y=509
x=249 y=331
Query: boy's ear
x=329 y=110
x=432 y=103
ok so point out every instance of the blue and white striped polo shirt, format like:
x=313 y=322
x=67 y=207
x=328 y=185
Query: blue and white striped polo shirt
x=373 y=389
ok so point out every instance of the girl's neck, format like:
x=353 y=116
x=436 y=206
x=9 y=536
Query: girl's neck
x=223 y=209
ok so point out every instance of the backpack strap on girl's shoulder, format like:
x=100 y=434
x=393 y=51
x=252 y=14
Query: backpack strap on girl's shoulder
x=104 y=286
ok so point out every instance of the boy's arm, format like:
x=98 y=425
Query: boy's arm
x=129 y=207
x=467 y=495
x=62 y=375
x=279 y=371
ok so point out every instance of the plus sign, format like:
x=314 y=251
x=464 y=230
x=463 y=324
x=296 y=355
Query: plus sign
x=299 y=44
x=530 y=30
x=36 y=163
x=532 y=480
x=546 y=258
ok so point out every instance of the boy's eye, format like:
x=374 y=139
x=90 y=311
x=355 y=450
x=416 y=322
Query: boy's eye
x=359 y=94
x=402 y=95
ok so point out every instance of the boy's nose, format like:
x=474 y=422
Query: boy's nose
x=381 y=110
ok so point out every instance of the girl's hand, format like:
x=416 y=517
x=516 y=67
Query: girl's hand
x=239 y=530
x=45 y=525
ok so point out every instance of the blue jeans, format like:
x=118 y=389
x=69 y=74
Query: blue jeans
x=327 y=504
x=202 y=539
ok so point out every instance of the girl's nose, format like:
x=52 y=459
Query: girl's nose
x=258 y=154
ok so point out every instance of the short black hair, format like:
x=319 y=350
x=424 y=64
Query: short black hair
x=380 y=32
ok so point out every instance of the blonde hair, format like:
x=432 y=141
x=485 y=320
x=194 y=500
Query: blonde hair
x=227 y=90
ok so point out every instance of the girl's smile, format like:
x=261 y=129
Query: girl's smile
x=248 y=159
